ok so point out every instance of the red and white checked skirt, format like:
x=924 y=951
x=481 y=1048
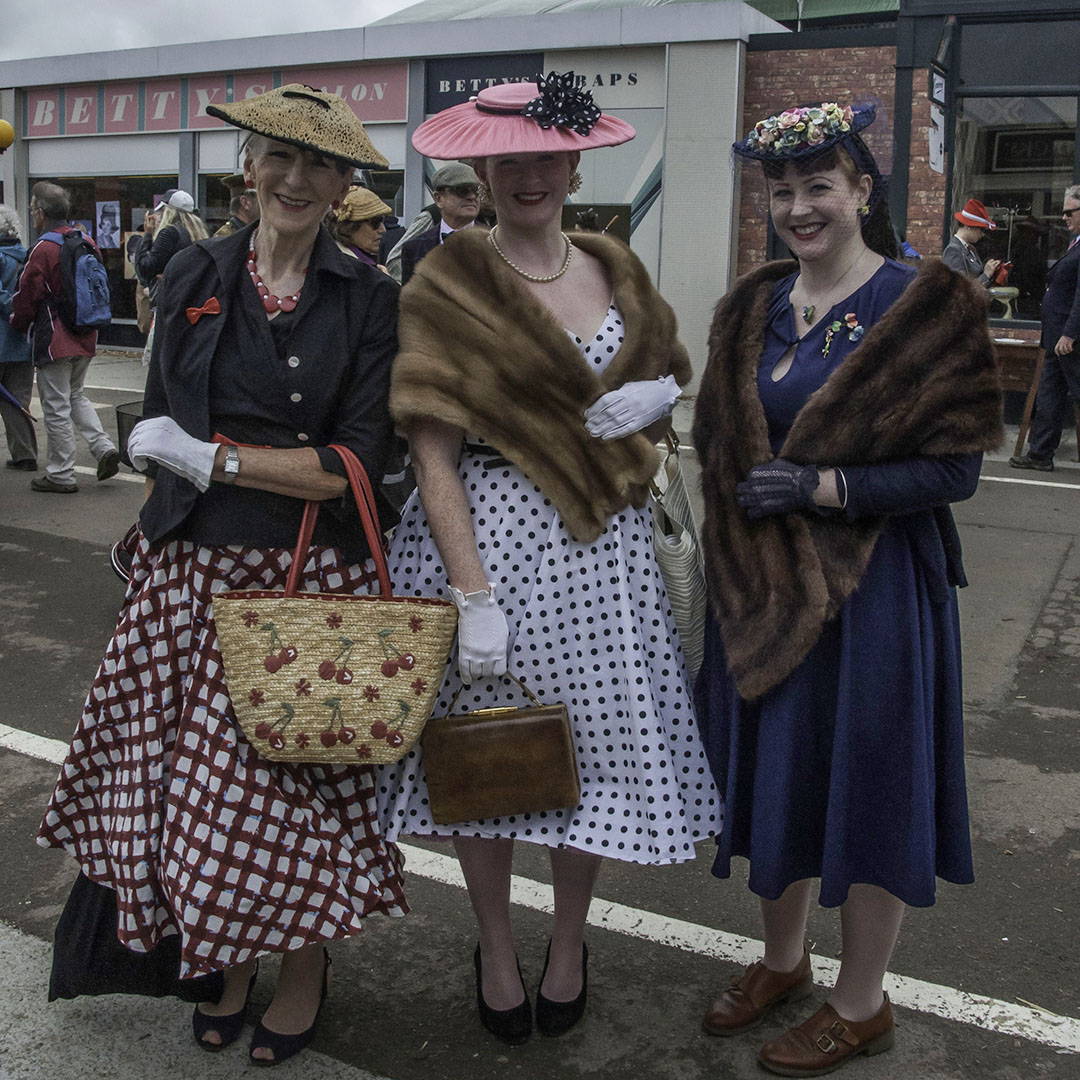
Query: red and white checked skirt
x=162 y=798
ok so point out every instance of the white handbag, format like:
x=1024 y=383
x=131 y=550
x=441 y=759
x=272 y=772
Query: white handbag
x=678 y=553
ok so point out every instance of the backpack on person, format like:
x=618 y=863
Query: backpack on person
x=83 y=303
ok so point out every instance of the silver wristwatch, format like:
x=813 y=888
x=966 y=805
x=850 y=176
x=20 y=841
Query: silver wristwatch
x=231 y=468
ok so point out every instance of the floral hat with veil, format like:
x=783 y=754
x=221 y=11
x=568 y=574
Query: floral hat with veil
x=808 y=131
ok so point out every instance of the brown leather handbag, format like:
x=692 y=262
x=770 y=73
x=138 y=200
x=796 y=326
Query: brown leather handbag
x=493 y=763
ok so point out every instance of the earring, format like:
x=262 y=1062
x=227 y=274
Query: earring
x=864 y=210
x=575 y=183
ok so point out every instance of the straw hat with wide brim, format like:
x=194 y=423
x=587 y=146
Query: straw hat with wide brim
x=307 y=118
x=521 y=118
x=360 y=204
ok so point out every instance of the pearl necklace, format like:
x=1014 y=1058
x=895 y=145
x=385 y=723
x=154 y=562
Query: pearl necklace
x=539 y=279
x=270 y=302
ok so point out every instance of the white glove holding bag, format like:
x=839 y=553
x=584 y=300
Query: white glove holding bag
x=483 y=634
x=631 y=407
x=163 y=440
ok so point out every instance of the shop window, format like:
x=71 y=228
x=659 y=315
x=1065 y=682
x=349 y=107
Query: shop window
x=213 y=200
x=1015 y=155
x=111 y=209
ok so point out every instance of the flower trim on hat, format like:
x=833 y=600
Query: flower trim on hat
x=562 y=104
x=802 y=128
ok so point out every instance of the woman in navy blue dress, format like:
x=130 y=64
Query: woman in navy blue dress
x=846 y=403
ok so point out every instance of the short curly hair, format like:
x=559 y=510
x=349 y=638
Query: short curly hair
x=10 y=226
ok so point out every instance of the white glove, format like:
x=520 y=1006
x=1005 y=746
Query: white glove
x=483 y=634
x=631 y=407
x=163 y=440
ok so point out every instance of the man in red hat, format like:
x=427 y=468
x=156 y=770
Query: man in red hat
x=960 y=253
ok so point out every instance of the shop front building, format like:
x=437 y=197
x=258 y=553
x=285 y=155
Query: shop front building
x=674 y=72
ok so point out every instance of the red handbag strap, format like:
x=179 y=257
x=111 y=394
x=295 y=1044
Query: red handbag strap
x=360 y=486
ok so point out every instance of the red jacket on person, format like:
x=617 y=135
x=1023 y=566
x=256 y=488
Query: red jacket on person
x=33 y=307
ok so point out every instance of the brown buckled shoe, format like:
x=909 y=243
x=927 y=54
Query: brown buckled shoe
x=826 y=1041
x=753 y=994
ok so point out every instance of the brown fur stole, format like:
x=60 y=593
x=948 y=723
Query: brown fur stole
x=479 y=351
x=923 y=381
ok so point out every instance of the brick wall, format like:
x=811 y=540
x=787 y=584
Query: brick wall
x=927 y=192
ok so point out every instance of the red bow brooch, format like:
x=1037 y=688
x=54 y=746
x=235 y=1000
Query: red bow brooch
x=211 y=307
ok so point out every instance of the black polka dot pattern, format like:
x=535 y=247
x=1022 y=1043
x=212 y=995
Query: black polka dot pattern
x=590 y=627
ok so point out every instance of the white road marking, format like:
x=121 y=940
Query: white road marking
x=116 y=389
x=1023 y=480
x=990 y=1014
x=131 y=478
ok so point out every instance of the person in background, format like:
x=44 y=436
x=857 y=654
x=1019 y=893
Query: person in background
x=389 y=240
x=960 y=254
x=358 y=225
x=61 y=355
x=845 y=403
x=16 y=367
x=243 y=210
x=1059 y=383
x=456 y=194
x=170 y=227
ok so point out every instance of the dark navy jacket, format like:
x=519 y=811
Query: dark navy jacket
x=325 y=381
x=1061 y=302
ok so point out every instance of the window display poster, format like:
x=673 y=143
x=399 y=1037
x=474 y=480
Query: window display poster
x=132 y=240
x=87 y=227
x=138 y=216
x=108 y=224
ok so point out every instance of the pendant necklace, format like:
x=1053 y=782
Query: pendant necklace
x=270 y=302
x=809 y=309
x=538 y=278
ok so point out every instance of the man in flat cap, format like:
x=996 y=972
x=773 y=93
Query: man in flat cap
x=243 y=206
x=456 y=190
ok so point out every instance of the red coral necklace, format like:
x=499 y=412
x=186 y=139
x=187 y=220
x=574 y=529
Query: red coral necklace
x=270 y=302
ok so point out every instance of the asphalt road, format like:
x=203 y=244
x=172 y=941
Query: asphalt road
x=401 y=1000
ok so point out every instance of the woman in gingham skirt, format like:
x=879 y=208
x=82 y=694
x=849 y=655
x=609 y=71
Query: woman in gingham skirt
x=269 y=338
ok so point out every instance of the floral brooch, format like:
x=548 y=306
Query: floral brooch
x=851 y=323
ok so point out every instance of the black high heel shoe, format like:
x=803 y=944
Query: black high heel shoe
x=228 y=1027
x=281 y=1046
x=558 y=1017
x=513 y=1026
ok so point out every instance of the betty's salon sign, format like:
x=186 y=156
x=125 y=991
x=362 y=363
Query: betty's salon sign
x=376 y=93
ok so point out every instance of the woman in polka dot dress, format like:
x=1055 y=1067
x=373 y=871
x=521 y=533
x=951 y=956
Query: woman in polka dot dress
x=536 y=373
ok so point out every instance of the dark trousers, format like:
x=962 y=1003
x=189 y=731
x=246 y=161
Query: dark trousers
x=1059 y=388
x=18 y=377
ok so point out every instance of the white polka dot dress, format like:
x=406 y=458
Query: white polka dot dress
x=591 y=627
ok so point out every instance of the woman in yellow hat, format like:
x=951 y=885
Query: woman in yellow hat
x=358 y=225
x=271 y=345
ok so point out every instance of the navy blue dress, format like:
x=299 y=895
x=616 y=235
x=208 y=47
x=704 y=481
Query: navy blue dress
x=851 y=770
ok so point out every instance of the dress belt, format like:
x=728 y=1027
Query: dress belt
x=492 y=458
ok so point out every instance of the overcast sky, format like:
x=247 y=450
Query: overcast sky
x=30 y=27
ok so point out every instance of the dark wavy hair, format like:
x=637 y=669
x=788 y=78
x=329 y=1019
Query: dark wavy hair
x=854 y=159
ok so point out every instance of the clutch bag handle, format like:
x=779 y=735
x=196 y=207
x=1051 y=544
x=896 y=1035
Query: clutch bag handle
x=360 y=485
x=533 y=699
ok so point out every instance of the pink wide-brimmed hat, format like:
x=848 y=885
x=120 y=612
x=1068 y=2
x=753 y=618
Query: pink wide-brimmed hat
x=521 y=118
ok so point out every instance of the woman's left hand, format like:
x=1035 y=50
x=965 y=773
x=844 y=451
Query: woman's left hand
x=163 y=440
x=778 y=487
x=631 y=407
